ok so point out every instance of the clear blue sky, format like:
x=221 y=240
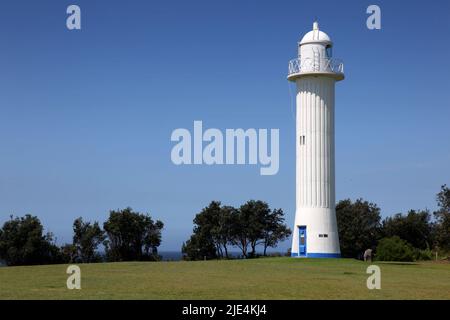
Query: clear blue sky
x=86 y=116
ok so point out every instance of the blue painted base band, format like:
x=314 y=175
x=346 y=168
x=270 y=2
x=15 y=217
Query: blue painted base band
x=317 y=255
x=323 y=255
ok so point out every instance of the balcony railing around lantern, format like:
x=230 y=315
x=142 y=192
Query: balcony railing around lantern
x=309 y=65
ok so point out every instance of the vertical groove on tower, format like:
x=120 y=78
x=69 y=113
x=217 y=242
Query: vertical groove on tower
x=309 y=145
x=325 y=148
x=332 y=150
x=311 y=140
x=313 y=144
x=317 y=145
x=305 y=147
x=322 y=160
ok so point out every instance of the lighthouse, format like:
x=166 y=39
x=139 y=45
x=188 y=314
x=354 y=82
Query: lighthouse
x=315 y=73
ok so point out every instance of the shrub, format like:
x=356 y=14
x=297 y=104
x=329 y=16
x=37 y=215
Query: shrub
x=426 y=254
x=395 y=249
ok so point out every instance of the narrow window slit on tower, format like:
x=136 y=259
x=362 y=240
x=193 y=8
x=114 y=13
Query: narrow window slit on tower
x=302 y=140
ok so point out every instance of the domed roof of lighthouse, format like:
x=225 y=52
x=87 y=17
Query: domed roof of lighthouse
x=316 y=36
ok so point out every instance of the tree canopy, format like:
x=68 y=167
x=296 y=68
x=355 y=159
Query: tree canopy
x=414 y=227
x=132 y=236
x=23 y=242
x=359 y=226
x=86 y=239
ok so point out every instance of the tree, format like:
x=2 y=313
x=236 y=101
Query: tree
x=394 y=249
x=358 y=226
x=274 y=230
x=442 y=217
x=132 y=236
x=86 y=239
x=23 y=242
x=415 y=228
x=208 y=227
x=254 y=216
x=256 y=224
x=211 y=234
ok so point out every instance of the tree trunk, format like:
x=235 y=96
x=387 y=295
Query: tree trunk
x=244 y=248
x=253 y=253
x=226 y=250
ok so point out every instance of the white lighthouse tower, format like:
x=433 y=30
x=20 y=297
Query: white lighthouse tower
x=315 y=72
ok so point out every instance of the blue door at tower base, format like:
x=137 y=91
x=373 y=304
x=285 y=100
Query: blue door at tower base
x=302 y=241
x=316 y=255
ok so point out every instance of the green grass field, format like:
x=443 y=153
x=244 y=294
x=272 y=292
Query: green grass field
x=270 y=278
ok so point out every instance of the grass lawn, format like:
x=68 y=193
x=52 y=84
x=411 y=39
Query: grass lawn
x=269 y=278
